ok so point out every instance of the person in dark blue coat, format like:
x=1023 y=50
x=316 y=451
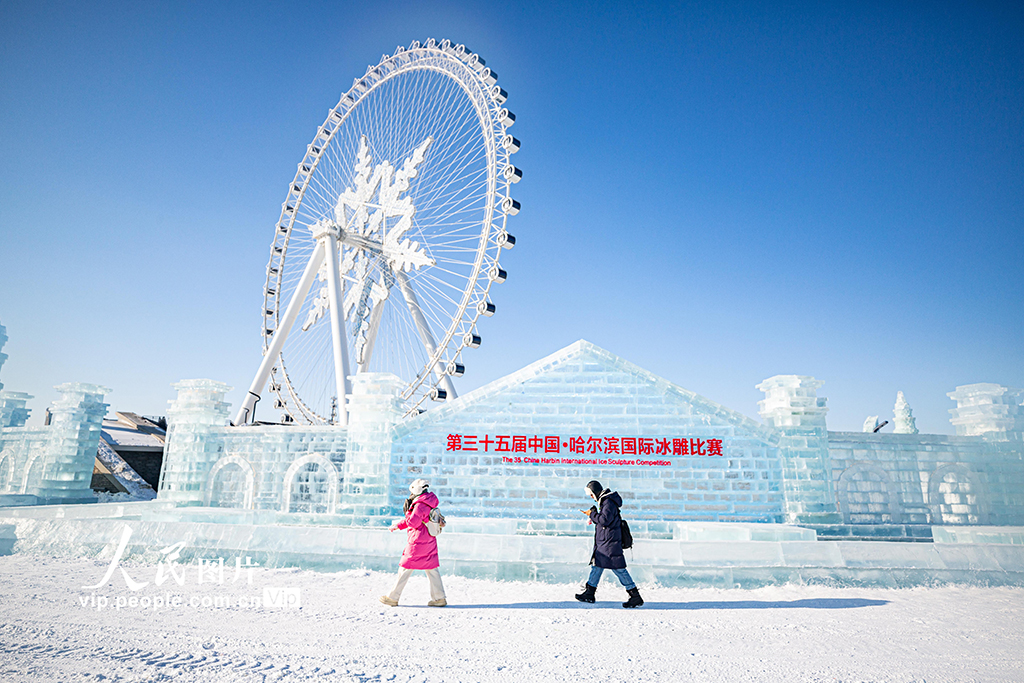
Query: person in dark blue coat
x=607 y=544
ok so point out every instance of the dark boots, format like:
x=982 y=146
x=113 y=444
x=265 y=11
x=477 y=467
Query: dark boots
x=588 y=594
x=634 y=598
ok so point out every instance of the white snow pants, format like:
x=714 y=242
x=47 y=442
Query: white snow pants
x=433 y=576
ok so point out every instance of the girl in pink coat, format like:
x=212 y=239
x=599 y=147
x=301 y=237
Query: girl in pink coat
x=421 y=550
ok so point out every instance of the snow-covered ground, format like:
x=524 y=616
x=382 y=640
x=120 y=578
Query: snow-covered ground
x=53 y=629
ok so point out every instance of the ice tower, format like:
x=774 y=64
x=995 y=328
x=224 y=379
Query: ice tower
x=192 y=447
x=65 y=473
x=988 y=409
x=51 y=464
x=373 y=410
x=13 y=411
x=791 y=405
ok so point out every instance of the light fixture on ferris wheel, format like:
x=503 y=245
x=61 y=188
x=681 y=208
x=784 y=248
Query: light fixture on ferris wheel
x=389 y=239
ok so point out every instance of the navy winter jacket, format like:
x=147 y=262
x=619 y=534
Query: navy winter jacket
x=607 y=532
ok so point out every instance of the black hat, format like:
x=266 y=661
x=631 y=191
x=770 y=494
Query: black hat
x=595 y=487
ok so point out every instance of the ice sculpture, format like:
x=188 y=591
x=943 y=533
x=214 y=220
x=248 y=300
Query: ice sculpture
x=13 y=408
x=904 y=420
x=870 y=424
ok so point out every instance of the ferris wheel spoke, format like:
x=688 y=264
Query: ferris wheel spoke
x=424 y=329
x=440 y=285
x=444 y=196
x=437 y=308
x=442 y=204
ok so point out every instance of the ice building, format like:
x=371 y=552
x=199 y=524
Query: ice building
x=521 y=448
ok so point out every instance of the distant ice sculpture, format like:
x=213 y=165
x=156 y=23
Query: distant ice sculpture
x=3 y=356
x=13 y=411
x=870 y=423
x=905 y=423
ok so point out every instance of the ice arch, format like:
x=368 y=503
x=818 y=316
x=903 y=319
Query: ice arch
x=33 y=473
x=311 y=482
x=238 y=480
x=955 y=496
x=868 y=496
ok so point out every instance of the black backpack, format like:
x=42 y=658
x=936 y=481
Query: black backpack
x=627 y=537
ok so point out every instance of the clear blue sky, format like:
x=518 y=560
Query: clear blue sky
x=718 y=192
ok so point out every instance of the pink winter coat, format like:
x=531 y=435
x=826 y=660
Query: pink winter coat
x=421 y=550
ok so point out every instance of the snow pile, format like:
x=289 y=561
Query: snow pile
x=137 y=487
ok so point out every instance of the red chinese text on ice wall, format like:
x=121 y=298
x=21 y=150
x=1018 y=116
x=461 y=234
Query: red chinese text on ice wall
x=584 y=445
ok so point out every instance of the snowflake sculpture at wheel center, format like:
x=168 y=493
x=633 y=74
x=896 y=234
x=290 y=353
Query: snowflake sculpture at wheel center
x=405 y=256
x=373 y=240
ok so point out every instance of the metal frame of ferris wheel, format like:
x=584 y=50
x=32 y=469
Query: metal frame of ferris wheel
x=330 y=235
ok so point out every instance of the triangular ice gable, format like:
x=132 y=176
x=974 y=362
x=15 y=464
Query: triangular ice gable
x=581 y=372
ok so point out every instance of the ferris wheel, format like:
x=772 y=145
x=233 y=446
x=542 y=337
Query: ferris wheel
x=389 y=239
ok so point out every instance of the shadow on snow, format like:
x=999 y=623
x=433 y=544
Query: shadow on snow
x=808 y=603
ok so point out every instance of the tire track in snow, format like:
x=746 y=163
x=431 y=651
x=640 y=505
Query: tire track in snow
x=212 y=664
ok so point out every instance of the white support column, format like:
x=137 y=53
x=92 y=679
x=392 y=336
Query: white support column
x=371 y=336
x=338 y=339
x=424 y=329
x=281 y=334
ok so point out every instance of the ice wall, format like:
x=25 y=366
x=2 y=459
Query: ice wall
x=972 y=478
x=926 y=479
x=283 y=468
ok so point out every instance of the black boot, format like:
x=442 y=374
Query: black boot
x=634 y=598
x=588 y=594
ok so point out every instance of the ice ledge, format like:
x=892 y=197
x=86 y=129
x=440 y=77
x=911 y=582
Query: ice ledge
x=670 y=562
